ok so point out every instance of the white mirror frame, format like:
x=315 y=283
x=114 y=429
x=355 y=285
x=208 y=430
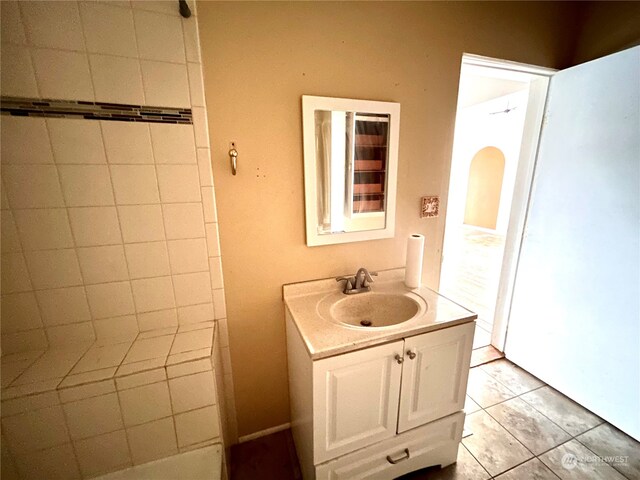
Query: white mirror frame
x=309 y=105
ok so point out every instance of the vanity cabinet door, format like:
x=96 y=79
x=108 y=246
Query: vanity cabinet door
x=434 y=379
x=355 y=399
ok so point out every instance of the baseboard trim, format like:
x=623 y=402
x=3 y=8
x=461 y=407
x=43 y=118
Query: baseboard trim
x=263 y=433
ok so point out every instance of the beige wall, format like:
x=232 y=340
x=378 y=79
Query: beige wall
x=485 y=185
x=259 y=59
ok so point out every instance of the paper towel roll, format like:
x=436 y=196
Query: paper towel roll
x=413 y=264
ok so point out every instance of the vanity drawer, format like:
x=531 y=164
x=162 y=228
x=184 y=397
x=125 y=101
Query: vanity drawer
x=433 y=444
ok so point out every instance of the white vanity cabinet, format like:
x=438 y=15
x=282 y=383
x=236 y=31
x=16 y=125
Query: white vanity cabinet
x=382 y=411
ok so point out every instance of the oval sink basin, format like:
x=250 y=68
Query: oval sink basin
x=371 y=310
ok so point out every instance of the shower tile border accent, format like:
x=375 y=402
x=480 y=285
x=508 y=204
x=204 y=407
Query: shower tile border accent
x=80 y=109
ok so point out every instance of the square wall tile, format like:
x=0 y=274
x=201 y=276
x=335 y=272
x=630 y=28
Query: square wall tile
x=209 y=205
x=191 y=43
x=159 y=37
x=20 y=312
x=11 y=28
x=159 y=6
x=149 y=348
x=20 y=80
x=141 y=223
x=25 y=139
x=93 y=416
x=102 y=454
x=53 y=24
x=147 y=259
x=193 y=340
x=196 y=87
x=152 y=440
x=183 y=220
x=102 y=356
x=213 y=243
x=111 y=330
x=200 y=127
x=165 y=84
x=76 y=141
x=86 y=185
x=71 y=334
x=9 y=239
x=157 y=320
x=108 y=29
x=110 y=299
x=195 y=314
x=95 y=226
x=32 y=186
x=54 y=268
x=107 y=73
x=204 y=166
x=146 y=403
x=153 y=294
x=192 y=391
x=192 y=288
x=24 y=341
x=64 y=305
x=56 y=463
x=219 y=303
x=135 y=184
x=15 y=276
x=216 y=272
x=42 y=229
x=173 y=143
x=25 y=434
x=103 y=264
x=62 y=74
x=188 y=256
x=127 y=142
x=197 y=426
x=179 y=183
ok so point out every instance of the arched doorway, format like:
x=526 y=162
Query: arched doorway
x=485 y=185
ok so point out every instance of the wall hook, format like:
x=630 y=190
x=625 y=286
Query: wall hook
x=233 y=156
x=185 y=11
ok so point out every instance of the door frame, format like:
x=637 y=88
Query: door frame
x=539 y=78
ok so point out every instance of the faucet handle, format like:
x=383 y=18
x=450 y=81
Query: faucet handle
x=349 y=283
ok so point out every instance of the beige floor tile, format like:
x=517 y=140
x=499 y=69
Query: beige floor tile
x=513 y=377
x=495 y=448
x=572 y=417
x=465 y=468
x=574 y=461
x=608 y=441
x=534 y=469
x=470 y=406
x=486 y=390
x=530 y=427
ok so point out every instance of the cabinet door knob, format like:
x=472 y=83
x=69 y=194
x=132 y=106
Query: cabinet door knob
x=398 y=460
x=399 y=359
x=412 y=354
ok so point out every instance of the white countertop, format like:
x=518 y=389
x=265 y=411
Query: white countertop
x=325 y=338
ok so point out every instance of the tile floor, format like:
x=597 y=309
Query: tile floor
x=517 y=428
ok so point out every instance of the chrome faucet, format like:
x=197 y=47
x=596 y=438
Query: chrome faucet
x=359 y=283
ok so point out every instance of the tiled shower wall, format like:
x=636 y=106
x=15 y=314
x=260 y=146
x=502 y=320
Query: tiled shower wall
x=108 y=227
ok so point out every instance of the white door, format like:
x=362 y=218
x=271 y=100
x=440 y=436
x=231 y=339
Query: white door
x=434 y=378
x=355 y=399
x=575 y=315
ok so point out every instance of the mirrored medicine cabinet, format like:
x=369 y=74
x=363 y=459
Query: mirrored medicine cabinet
x=350 y=168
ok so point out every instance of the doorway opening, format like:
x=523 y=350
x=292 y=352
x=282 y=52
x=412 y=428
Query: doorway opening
x=498 y=121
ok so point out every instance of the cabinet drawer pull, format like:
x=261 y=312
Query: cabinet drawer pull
x=412 y=354
x=404 y=457
x=399 y=359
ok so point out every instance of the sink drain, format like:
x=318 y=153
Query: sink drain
x=366 y=323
